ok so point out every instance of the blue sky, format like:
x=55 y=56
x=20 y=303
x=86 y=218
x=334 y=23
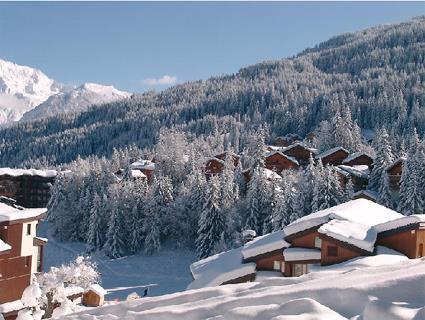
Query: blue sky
x=137 y=46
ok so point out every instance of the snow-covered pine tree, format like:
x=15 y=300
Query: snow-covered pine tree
x=384 y=157
x=349 y=190
x=152 y=229
x=385 y=197
x=96 y=229
x=115 y=246
x=212 y=222
x=327 y=192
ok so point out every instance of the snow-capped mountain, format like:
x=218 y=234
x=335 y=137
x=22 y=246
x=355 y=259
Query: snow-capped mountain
x=21 y=89
x=78 y=99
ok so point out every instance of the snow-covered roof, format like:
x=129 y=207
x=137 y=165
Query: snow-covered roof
x=265 y=244
x=330 y=151
x=9 y=213
x=11 y=306
x=27 y=172
x=219 y=268
x=4 y=246
x=137 y=174
x=369 y=193
x=299 y=144
x=401 y=222
x=143 y=164
x=299 y=254
x=249 y=233
x=362 y=211
x=358 y=171
x=98 y=289
x=271 y=153
x=72 y=290
x=270 y=174
x=350 y=232
x=354 y=156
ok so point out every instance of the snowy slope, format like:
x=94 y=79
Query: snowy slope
x=21 y=89
x=373 y=290
x=78 y=99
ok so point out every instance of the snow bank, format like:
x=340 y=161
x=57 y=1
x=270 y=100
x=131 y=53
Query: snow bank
x=354 y=233
x=401 y=222
x=335 y=294
x=264 y=244
x=362 y=211
x=299 y=254
x=219 y=268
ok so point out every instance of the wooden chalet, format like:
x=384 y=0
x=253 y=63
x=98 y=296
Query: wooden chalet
x=406 y=235
x=215 y=165
x=94 y=296
x=146 y=167
x=278 y=162
x=334 y=235
x=334 y=156
x=21 y=254
x=29 y=187
x=394 y=172
x=359 y=176
x=300 y=152
x=358 y=159
x=366 y=194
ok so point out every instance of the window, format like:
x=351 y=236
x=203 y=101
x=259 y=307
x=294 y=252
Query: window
x=332 y=251
x=276 y=265
x=28 y=229
x=318 y=242
x=299 y=269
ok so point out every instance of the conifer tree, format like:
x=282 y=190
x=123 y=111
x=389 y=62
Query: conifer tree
x=384 y=195
x=115 y=245
x=384 y=157
x=96 y=231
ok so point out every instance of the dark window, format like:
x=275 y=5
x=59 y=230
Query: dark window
x=332 y=251
x=28 y=229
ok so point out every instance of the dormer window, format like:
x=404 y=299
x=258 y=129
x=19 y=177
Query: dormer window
x=318 y=243
x=28 y=229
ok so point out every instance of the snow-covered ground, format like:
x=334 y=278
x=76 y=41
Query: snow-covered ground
x=383 y=287
x=168 y=270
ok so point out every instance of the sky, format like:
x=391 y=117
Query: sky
x=139 y=46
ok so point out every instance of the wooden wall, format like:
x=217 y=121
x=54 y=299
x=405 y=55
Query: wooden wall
x=278 y=163
x=406 y=242
x=267 y=263
x=360 y=160
x=335 y=158
x=343 y=253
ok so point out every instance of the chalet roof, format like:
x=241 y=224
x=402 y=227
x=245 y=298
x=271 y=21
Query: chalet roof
x=356 y=155
x=361 y=171
x=143 y=164
x=27 y=172
x=11 y=306
x=369 y=193
x=301 y=254
x=265 y=244
x=4 y=246
x=10 y=214
x=137 y=174
x=396 y=162
x=331 y=151
x=351 y=232
x=219 y=268
x=401 y=222
x=299 y=144
x=362 y=211
x=225 y=153
x=98 y=289
x=271 y=153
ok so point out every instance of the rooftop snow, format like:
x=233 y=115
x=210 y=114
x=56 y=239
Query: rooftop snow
x=143 y=164
x=219 y=268
x=358 y=171
x=362 y=211
x=4 y=246
x=8 y=213
x=401 y=222
x=353 y=233
x=270 y=174
x=355 y=155
x=369 y=193
x=299 y=254
x=330 y=151
x=72 y=290
x=137 y=174
x=313 y=150
x=27 y=172
x=96 y=288
x=264 y=244
x=402 y=159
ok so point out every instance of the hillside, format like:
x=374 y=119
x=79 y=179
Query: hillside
x=367 y=292
x=377 y=73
